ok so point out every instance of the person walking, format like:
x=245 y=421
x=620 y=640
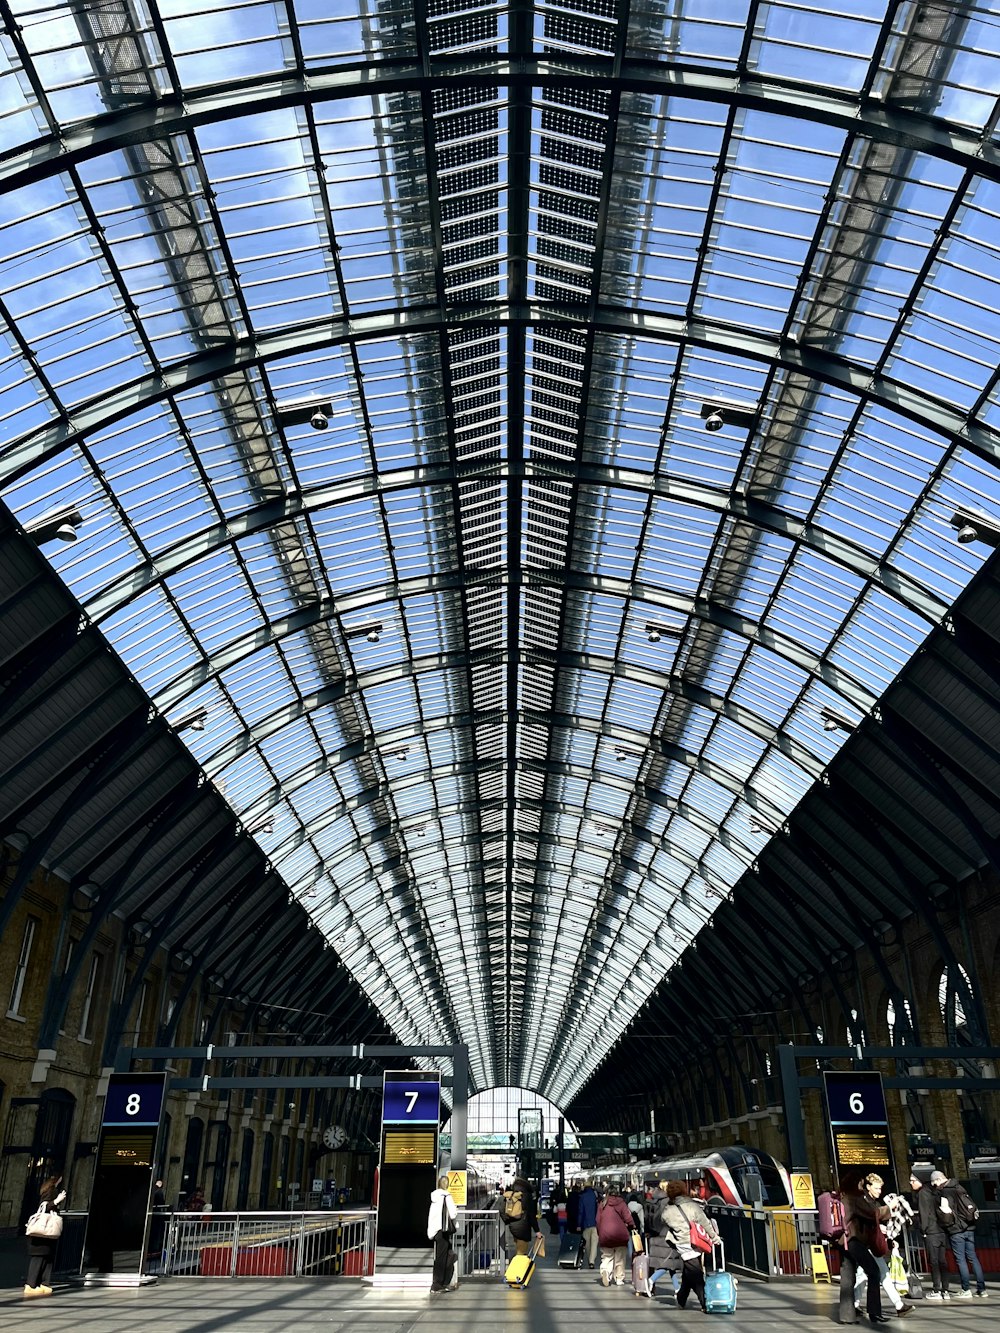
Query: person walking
x=866 y=1240
x=663 y=1255
x=587 y=1219
x=42 y=1249
x=676 y=1218
x=441 y=1225
x=519 y=1209
x=573 y=1208
x=952 y=1201
x=614 y=1231
x=900 y=1214
x=935 y=1240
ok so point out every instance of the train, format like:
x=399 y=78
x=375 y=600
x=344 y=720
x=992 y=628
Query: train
x=736 y=1175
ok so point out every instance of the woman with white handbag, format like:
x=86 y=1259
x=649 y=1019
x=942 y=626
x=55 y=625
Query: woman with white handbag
x=44 y=1227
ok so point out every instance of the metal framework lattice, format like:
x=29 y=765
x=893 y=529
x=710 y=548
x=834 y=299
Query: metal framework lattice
x=516 y=668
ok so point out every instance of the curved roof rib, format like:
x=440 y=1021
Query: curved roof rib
x=512 y=675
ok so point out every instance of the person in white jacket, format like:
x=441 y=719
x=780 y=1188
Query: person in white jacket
x=441 y=1224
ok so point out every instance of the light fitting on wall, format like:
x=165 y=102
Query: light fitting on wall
x=84 y=896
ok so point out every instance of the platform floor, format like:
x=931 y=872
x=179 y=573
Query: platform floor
x=556 y=1302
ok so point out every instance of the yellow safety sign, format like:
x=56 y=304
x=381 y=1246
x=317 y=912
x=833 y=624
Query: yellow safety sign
x=803 y=1195
x=458 y=1187
x=821 y=1269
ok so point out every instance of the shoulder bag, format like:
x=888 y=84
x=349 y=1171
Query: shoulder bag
x=43 y=1224
x=699 y=1238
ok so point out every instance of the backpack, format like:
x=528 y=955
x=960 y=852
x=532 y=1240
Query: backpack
x=831 y=1216
x=513 y=1209
x=966 y=1211
x=956 y=1211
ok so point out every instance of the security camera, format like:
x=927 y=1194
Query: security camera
x=372 y=636
x=966 y=534
x=319 y=420
x=714 y=421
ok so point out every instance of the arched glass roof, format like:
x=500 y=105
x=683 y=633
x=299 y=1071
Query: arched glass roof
x=516 y=666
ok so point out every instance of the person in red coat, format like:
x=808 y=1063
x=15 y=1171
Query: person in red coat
x=614 y=1230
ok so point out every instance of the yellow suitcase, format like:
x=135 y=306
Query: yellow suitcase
x=521 y=1268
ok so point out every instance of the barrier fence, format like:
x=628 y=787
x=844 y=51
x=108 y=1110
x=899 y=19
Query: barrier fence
x=479 y=1244
x=305 y=1244
x=779 y=1243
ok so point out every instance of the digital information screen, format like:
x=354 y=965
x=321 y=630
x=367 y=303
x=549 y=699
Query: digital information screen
x=411 y=1111
x=123 y=1174
x=410 y=1145
x=859 y=1128
x=125 y=1147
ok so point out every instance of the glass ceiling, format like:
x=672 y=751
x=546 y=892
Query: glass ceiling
x=514 y=668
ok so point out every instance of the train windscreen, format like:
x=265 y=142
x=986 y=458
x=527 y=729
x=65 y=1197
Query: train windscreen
x=757 y=1178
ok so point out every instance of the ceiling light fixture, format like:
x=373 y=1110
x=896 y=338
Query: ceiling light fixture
x=192 y=721
x=834 y=721
x=656 y=631
x=316 y=414
x=758 y=826
x=60 y=526
x=370 y=630
x=716 y=415
x=975 y=527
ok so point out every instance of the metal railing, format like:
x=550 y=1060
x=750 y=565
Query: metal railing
x=779 y=1243
x=479 y=1243
x=297 y=1244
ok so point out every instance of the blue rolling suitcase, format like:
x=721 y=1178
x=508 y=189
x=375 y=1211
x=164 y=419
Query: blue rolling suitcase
x=720 y=1286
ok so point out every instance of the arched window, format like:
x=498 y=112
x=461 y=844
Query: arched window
x=500 y=1117
x=899 y=1024
x=951 y=988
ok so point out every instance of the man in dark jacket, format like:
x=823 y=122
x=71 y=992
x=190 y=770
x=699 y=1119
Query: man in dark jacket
x=573 y=1208
x=935 y=1241
x=587 y=1220
x=961 y=1234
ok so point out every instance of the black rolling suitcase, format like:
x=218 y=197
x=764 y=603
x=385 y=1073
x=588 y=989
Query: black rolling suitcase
x=571 y=1250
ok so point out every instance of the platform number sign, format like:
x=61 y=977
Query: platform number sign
x=133 y=1100
x=411 y=1099
x=859 y=1128
x=855 y=1098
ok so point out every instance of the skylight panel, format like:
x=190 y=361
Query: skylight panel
x=814 y=599
x=879 y=639
x=768 y=684
x=833 y=49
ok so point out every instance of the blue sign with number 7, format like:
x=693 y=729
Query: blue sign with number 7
x=407 y=1100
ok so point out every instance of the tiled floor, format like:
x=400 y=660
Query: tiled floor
x=556 y=1302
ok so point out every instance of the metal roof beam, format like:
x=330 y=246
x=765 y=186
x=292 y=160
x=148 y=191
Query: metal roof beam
x=168 y=116
x=99 y=413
